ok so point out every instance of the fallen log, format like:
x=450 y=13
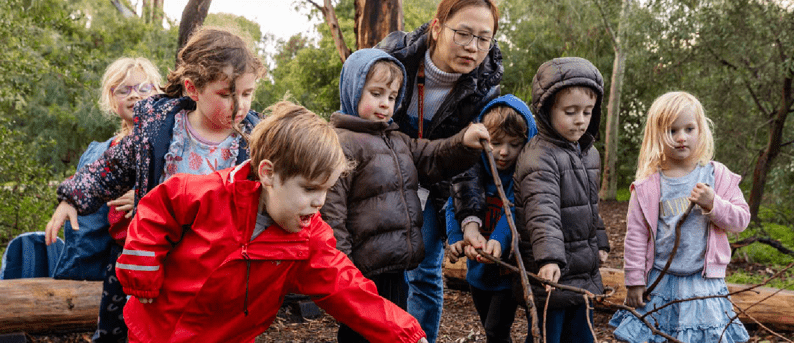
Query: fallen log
x=41 y=305
x=777 y=310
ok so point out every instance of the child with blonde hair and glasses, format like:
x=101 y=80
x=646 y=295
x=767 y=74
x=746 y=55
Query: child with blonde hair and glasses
x=91 y=253
x=678 y=180
x=210 y=258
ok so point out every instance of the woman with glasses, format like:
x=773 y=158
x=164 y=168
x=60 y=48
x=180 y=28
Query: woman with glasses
x=454 y=68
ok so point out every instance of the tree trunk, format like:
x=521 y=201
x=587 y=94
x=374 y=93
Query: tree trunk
x=375 y=19
x=47 y=305
x=609 y=179
x=771 y=151
x=333 y=24
x=192 y=17
x=157 y=12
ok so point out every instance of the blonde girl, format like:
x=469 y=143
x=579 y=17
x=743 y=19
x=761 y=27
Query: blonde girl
x=195 y=127
x=676 y=170
x=90 y=253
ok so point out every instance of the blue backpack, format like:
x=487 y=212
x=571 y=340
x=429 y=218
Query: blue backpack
x=28 y=256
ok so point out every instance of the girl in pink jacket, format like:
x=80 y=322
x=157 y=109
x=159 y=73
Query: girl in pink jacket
x=675 y=170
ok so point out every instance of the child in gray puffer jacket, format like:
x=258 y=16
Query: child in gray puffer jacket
x=556 y=194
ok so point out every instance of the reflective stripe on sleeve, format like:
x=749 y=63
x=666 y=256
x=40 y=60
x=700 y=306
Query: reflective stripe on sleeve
x=138 y=253
x=137 y=267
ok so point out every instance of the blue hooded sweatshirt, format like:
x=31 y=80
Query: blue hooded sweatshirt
x=488 y=276
x=354 y=77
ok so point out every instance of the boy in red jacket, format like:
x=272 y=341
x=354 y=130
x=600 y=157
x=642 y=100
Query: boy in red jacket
x=210 y=258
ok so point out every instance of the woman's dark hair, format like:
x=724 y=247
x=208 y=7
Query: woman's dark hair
x=448 y=8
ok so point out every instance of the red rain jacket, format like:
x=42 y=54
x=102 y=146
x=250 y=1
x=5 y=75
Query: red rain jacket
x=189 y=247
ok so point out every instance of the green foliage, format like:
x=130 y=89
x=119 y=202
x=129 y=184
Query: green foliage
x=747 y=278
x=26 y=199
x=49 y=87
x=49 y=81
x=418 y=12
x=623 y=194
x=249 y=30
x=763 y=253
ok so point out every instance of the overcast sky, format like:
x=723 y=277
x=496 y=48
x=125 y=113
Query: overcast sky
x=274 y=16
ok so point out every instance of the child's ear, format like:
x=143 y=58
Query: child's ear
x=265 y=171
x=190 y=89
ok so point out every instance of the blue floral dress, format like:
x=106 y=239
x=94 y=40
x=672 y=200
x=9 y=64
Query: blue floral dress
x=701 y=320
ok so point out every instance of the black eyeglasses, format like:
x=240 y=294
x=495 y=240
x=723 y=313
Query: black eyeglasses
x=463 y=38
x=141 y=88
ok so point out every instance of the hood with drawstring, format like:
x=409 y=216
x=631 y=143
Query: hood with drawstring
x=560 y=73
x=354 y=77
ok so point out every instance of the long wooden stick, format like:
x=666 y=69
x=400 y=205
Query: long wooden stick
x=528 y=297
x=672 y=253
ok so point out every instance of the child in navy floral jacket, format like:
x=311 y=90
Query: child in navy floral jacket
x=189 y=129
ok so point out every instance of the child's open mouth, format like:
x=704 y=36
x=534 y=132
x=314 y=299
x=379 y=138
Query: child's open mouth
x=306 y=220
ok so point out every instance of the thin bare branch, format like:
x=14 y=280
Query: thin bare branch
x=768 y=241
x=744 y=312
x=644 y=320
x=315 y=5
x=589 y=320
x=672 y=253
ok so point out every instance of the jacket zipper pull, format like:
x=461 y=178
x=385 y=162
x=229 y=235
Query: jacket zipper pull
x=247 y=274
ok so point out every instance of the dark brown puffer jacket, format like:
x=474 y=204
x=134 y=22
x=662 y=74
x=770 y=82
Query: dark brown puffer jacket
x=556 y=188
x=375 y=209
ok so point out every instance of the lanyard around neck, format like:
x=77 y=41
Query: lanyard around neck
x=420 y=87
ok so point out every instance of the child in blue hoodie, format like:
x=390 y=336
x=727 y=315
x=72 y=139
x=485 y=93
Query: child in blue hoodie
x=375 y=209
x=510 y=125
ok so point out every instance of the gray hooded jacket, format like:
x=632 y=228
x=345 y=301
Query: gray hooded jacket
x=556 y=188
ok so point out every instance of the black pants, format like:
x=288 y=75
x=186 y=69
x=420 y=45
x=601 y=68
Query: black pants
x=110 y=326
x=497 y=310
x=391 y=286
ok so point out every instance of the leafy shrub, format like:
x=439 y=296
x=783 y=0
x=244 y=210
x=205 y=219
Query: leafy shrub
x=27 y=200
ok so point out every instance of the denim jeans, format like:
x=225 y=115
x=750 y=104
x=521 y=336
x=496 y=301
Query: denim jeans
x=425 y=283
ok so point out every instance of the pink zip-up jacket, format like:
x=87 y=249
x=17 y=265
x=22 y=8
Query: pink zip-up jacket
x=730 y=213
